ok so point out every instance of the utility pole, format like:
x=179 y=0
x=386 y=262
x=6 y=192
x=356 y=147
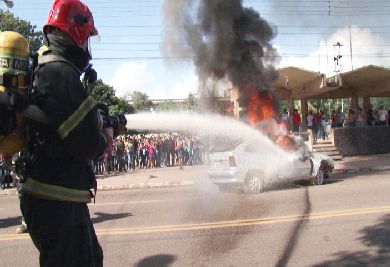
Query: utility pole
x=337 y=59
x=327 y=57
x=337 y=66
x=319 y=56
x=350 y=34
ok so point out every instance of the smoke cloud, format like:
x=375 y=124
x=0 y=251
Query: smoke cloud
x=223 y=38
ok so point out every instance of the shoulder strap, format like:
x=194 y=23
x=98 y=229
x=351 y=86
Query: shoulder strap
x=43 y=49
x=47 y=58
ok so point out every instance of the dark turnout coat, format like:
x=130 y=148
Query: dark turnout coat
x=62 y=150
x=55 y=193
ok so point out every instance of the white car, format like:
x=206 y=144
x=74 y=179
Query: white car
x=244 y=167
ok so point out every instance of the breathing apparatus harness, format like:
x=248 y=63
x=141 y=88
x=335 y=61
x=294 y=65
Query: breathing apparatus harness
x=34 y=140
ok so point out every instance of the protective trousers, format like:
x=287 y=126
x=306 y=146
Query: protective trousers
x=62 y=232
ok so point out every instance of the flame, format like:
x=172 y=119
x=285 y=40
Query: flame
x=286 y=142
x=262 y=115
x=261 y=107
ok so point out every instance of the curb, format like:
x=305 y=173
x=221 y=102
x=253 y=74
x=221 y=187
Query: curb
x=14 y=192
x=9 y=192
x=371 y=169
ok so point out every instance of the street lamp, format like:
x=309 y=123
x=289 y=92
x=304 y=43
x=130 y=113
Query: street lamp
x=9 y=3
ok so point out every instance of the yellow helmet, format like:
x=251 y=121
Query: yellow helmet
x=14 y=69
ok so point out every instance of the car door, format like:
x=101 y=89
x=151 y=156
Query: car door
x=302 y=167
x=299 y=167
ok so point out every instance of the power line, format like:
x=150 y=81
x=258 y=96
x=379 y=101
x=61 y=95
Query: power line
x=377 y=55
x=158 y=50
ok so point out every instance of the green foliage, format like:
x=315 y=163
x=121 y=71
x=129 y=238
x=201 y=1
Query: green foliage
x=104 y=93
x=380 y=101
x=328 y=105
x=167 y=105
x=191 y=103
x=141 y=101
x=8 y=22
x=121 y=107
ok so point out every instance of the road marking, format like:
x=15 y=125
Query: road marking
x=224 y=224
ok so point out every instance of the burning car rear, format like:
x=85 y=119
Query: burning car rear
x=223 y=167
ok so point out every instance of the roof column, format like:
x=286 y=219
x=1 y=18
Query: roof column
x=290 y=110
x=366 y=103
x=305 y=112
x=354 y=101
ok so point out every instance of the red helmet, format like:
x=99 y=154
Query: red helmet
x=72 y=17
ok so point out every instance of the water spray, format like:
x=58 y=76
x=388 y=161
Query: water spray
x=211 y=126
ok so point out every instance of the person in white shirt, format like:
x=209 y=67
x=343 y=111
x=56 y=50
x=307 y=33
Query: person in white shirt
x=310 y=120
x=310 y=125
x=382 y=116
x=285 y=118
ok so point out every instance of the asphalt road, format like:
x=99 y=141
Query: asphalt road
x=344 y=222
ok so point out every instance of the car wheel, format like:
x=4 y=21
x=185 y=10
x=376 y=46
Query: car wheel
x=326 y=175
x=253 y=184
x=318 y=179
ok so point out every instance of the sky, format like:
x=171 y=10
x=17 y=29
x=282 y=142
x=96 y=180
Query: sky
x=128 y=55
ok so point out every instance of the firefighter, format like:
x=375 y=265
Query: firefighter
x=57 y=174
x=14 y=67
x=14 y=57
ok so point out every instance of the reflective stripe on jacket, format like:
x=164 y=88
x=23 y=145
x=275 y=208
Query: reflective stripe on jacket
x=55 y=192
x=74 y=119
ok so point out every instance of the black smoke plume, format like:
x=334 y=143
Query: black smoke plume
x=223 y=38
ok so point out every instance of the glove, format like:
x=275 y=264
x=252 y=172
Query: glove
x=17 y=102
x=90 y=75
x=102 y=115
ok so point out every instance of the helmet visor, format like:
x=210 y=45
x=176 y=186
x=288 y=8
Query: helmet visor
x=94 y=39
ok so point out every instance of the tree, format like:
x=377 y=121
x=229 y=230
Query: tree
x=141 y=101
x=104 y=93
x=8 y=22
x=167 y=105
x=121 y=107
x=191 y=103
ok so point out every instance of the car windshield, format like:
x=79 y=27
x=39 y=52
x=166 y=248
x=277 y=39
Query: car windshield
x=221 y=144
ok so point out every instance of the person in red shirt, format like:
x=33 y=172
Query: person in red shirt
x=333 y=120
x=296 y=120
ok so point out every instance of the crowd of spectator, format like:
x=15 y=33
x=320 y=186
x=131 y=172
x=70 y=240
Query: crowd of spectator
x=370 y=117
x=7 y=177
x=319 y=122
x=151 y=151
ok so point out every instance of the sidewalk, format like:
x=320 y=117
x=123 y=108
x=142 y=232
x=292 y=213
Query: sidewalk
x=171 y=177
x=367 y=163
x=196 y=175
x=155 y=178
